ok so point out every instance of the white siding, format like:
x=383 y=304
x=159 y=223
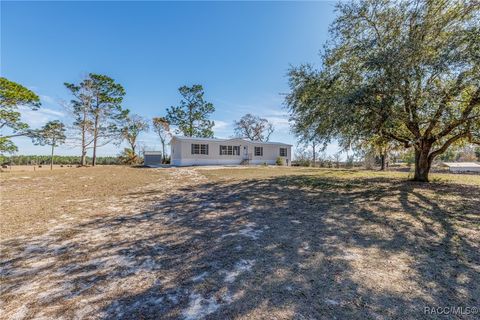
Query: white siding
x=182 y=152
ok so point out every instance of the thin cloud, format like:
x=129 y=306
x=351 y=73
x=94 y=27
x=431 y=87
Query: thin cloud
x=220 y=125
x=47 y=99
x=279 y=122
x=36 y=118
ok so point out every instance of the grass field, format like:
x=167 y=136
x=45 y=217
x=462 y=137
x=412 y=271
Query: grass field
x=237 y=243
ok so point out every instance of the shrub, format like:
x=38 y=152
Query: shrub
x=129 y=157
x=279 y=161
x=302 y=162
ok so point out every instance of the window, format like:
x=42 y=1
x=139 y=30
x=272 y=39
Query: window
x=258 y=151
x=195 y=148
x=230 y=150
x=283 y=152
x=199 y=148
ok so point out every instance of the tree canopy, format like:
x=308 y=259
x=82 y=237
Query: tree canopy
x=192 y=115
x=13 y=95
x=405 y=70
x=133 y=126
x=52 y=134
x=97 y=106
x=253 y=128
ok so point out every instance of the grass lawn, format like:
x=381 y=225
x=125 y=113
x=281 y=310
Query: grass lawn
x=237 y=243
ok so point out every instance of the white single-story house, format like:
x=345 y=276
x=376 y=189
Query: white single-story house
x=187 y=151
x=462 y=166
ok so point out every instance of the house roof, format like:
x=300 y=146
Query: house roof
x=152 y=153
x=231 y=139
x=461 y=164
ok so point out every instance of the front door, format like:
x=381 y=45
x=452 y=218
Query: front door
x=245 y=152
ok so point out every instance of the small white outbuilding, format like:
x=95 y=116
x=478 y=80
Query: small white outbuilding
x=152 y=158
x=462 y=166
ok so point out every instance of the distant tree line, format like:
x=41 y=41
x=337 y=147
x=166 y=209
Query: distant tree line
x=59 y=160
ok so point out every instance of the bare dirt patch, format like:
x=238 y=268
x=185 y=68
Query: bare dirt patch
x=255 y=244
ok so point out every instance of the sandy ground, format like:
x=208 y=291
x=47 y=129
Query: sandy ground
x=263 y=243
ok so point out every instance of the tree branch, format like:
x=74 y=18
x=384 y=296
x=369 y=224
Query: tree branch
x=447 y=144
x=406 y=142
x=443 y=104
x=465 y=115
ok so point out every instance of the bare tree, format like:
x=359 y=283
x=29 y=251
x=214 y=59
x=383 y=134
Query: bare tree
x=253 y=128
x=337 y=158
x=133 y=126
x=162 y=128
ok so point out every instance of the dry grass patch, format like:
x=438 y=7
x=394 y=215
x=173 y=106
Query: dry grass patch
x=255 y=243
x=30 y=199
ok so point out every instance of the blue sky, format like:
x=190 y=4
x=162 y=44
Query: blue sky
x=239 y=51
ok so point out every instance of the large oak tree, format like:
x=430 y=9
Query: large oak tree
x=406 y=70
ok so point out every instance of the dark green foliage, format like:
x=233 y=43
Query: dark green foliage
x=408 y=71
x=7 y=146
x=192 y=115
x=52 y=134
x=13 y=95
x=98 y=111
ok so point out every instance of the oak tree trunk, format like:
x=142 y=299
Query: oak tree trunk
x=423 y=163
x=382 y=162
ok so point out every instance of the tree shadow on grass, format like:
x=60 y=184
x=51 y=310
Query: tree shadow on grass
x=286 y=247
